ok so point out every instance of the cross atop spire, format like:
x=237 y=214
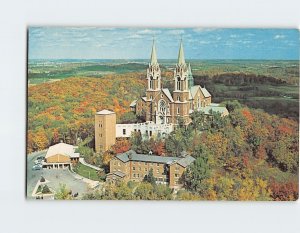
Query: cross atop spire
x=153 y=59
x=181 y=60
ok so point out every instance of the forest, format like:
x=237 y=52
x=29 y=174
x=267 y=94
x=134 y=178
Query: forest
x=250 y=155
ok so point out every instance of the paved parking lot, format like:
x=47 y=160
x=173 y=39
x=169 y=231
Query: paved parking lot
x=55 y=177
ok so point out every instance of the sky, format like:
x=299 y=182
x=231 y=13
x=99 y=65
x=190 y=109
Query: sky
x=135 y=43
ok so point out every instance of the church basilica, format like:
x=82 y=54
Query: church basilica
x=163 y=107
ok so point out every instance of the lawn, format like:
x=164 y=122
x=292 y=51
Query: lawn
x=87 y=172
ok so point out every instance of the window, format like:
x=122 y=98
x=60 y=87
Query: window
x=133 y=174
x=178 y=84
x=151 y=82
x=177 y=110
x=178 y=98
x=162 y=106
x=147 y=132
x=150 y=133
x=157 y=164
x=146 y=169
x=138 y=175
x=124 y=131
x=176 y=175
x=133 y=168
x=100 y=135
x=157 y=171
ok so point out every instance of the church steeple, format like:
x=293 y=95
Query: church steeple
x=181 y=72
x=153 y=73
x=153 y=59
x=190 y=77
x=181 y=60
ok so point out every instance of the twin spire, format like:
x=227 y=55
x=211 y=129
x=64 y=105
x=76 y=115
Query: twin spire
x=181 y=60
x=153 y=54
x=153 y=58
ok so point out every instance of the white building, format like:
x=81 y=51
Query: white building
x=148 y=128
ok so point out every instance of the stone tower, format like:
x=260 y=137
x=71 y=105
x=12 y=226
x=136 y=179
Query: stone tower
x=153 y=75
x=105 y=130
x=181 y=85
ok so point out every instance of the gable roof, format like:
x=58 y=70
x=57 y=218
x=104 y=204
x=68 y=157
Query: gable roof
x=131 y=155
x=168 y=94
x=133 y=103
x=186 y=161
x=62 y=149
x=205 y=92
x=193 y=90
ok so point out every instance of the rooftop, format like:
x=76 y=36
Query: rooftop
x=62 y=149
x=133 y=156
x=105 y=112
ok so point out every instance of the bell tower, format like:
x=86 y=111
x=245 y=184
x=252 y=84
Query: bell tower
x=153 y=75
x=181 y=85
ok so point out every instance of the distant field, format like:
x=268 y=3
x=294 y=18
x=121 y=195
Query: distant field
x=40 y=71
x=269 y=85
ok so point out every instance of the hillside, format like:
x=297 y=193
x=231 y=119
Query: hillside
x=65 y=109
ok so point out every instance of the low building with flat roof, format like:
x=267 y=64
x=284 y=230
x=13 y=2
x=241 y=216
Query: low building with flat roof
x=61 y=155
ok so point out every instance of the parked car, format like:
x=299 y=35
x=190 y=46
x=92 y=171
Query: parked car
x=41 y=158
x=37 y=167
x=37 y=162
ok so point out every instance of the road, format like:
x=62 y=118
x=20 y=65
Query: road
x=56 y=177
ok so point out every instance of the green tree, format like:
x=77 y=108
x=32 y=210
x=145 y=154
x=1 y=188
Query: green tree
x=63 y=193
x=162 y=192
x=144 y=191
x=198 y=120
x=196 y=173
x=150 y=177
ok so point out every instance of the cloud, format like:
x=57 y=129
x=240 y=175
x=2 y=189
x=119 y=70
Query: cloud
x=134 y=36
x=148 y=32
x=200 y=30
x=175 y=32
x=233 y=36
x=279 y=37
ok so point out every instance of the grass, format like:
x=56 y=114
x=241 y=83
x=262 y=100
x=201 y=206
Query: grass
x=87 y=172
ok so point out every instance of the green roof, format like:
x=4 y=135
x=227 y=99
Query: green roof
x=213 y=108
x=131 y=155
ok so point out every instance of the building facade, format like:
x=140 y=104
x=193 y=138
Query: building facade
x=131 y=166
x=105 y=130
x=161 y=106
x=60 y=156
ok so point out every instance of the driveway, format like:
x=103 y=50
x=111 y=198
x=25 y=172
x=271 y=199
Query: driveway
x=56 y=177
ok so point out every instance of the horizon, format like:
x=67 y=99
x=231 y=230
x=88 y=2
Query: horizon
x=90 y=43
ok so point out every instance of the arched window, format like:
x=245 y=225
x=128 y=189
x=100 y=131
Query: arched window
x=198 y=104
x=162 y=106
x=178 y=84
x=151 y=82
